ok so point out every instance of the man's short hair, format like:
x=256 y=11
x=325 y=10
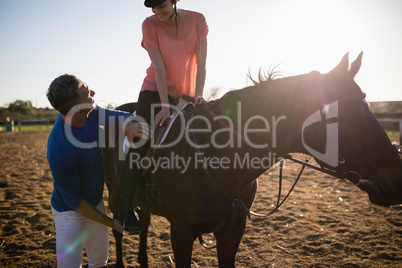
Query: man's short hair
x=62 y=93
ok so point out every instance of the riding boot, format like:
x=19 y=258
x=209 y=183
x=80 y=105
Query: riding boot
x=129 y=179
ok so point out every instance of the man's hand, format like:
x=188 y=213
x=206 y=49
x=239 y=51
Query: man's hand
x=117 y=226
x=135 y=129
x=89 y=211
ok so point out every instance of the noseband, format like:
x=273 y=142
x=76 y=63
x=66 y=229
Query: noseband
x=343 y=170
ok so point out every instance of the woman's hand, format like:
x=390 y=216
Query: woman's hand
x=162 y=116
x=198 y=100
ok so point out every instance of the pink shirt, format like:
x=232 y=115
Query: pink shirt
x=179 y=53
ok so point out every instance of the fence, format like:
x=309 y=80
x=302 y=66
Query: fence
x=393 y=120
x=11 y=126
x=16 y=125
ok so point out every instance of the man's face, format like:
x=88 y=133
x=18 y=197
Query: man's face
x=86 y=94
x=86 y=101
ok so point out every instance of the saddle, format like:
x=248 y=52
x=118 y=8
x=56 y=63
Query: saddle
x=162 y=131
x=160 y=135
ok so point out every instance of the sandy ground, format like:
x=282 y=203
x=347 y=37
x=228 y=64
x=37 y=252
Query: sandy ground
x=324 y=223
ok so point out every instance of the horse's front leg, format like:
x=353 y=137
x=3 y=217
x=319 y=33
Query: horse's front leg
x=110 y=167
x=114 y=199
x=182 y=238
x=119 y=249
x=228 y=242
x=145 y=217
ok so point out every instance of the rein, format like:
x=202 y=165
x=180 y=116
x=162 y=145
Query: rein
x=279 y=203
x=237 y=201
x=287 y=157
x=346 y=175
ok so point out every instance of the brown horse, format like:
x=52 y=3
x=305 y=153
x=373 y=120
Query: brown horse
x=205 y=180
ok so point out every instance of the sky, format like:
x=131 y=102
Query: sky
x=99 y=42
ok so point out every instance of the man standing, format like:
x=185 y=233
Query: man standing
x=75 y=159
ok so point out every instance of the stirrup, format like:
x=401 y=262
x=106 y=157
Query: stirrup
x=125 y=219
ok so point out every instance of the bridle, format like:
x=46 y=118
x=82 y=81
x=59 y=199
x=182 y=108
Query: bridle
x=342 y=171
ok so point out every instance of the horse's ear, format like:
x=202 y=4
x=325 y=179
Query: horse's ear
x=343 y=66
x=356 y=65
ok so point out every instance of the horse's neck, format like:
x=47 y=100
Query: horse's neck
x=284 y=108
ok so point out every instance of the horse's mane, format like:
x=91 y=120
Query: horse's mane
x=265 y=76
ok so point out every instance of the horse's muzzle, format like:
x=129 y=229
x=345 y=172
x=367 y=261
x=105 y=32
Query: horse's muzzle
x=383 y=195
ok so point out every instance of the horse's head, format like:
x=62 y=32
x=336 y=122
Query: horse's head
x=364 y=153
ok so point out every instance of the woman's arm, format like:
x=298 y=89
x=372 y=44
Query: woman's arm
x=161 y=83
x=201 y=69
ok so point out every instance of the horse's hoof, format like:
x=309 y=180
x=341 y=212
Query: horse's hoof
x=119 y=265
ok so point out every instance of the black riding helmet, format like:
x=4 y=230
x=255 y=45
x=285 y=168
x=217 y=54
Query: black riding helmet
x=153 y=3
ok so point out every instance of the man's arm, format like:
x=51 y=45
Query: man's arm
x=89 y=211
x=131 y=127
x=65 y=169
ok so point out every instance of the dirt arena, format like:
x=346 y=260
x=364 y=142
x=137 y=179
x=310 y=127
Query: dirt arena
x=324 y=223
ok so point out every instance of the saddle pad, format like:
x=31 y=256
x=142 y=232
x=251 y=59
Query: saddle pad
x=182 y=104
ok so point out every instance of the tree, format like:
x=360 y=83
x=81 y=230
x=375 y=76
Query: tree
x=111 y=106
x=213 y=93
x=23 y=107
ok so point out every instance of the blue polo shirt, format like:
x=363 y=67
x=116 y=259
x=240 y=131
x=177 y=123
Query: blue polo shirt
x=75 y=159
